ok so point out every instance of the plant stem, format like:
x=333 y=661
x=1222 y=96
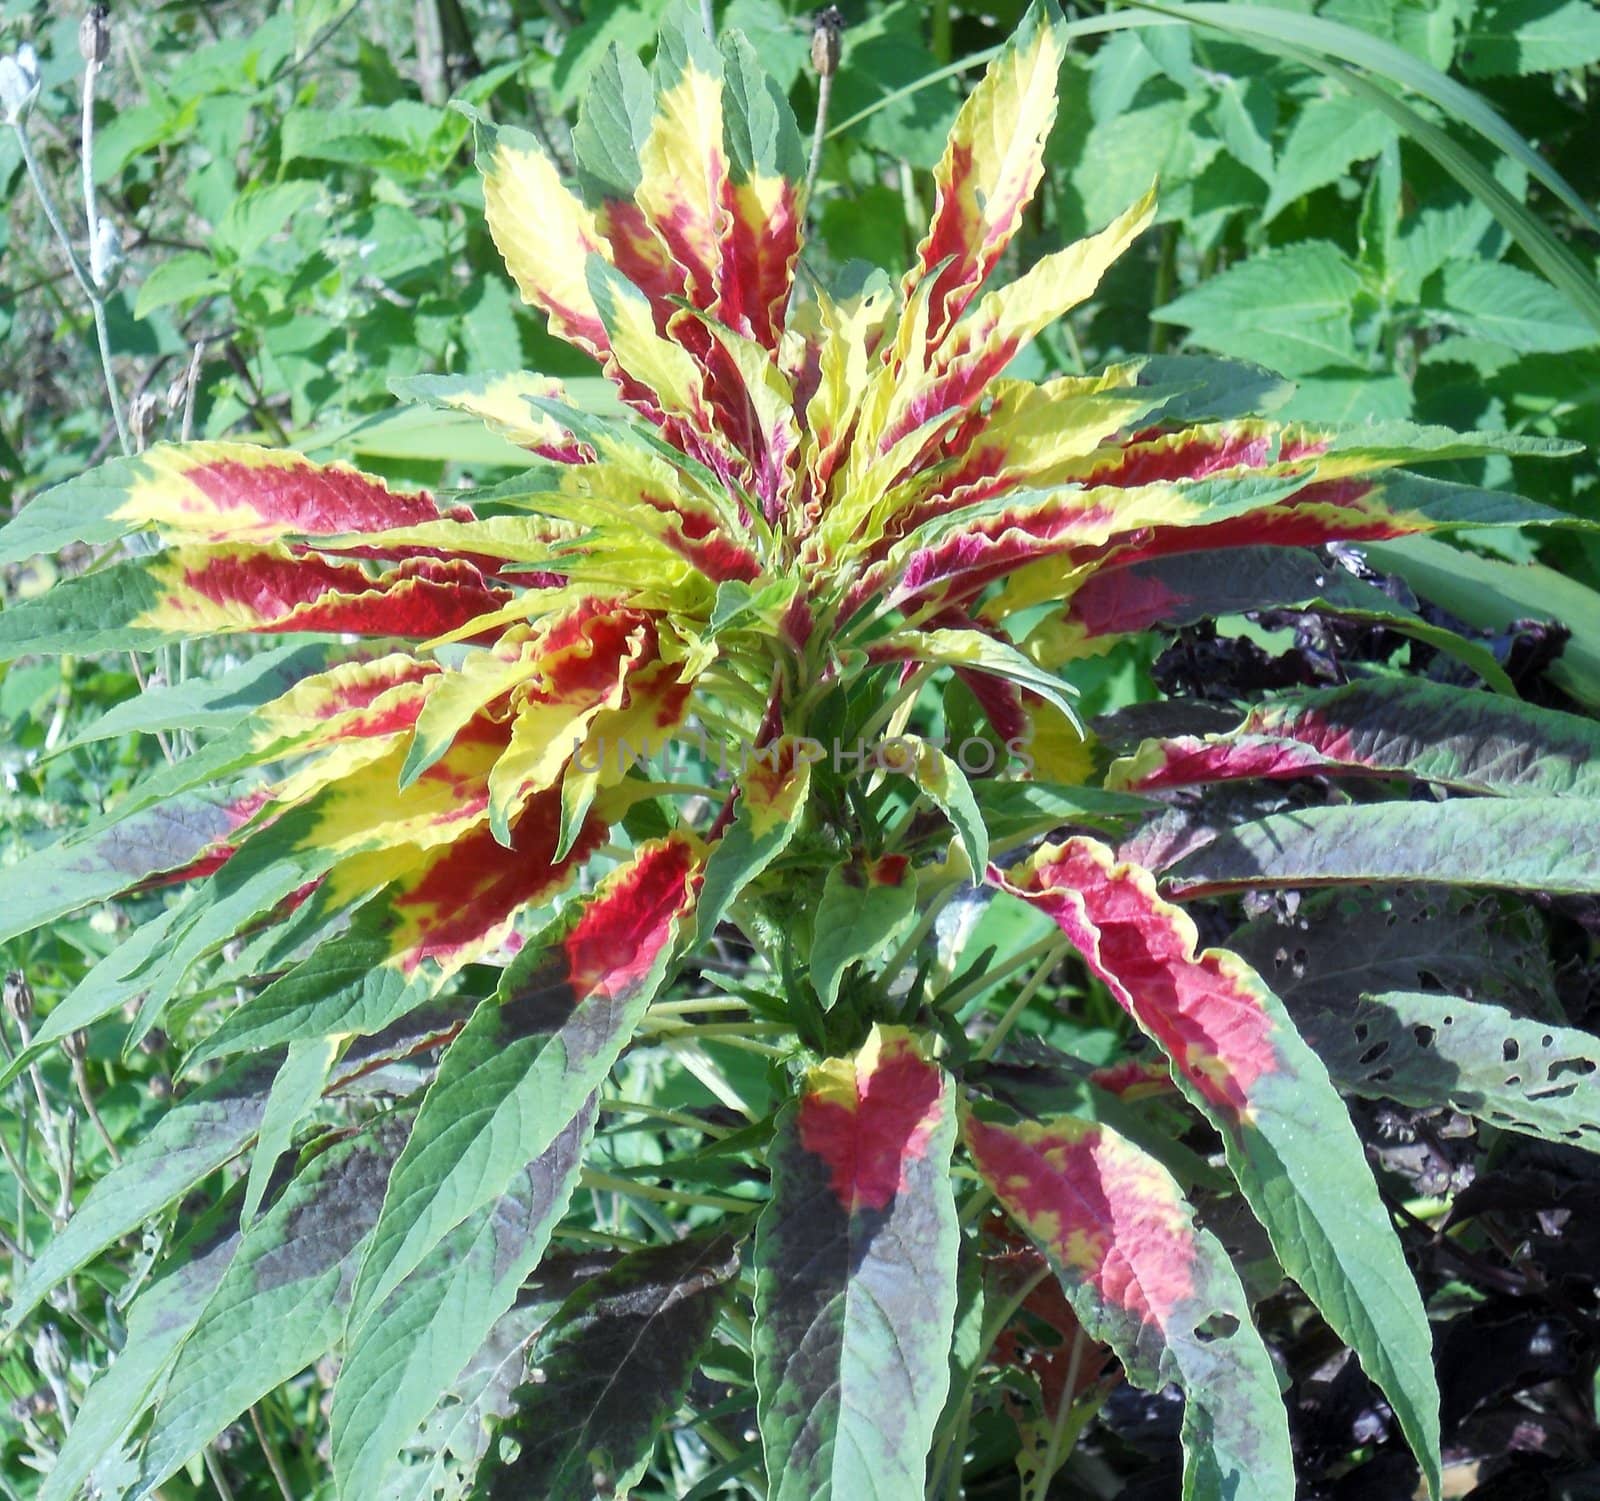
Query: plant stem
x=819 y=131
x=708 y=20
x=80 y=1078
x=995 y=975
x=941 y=30
x=1052 y=958
x=1062 y=1422
x=214 y=1470
x=700 y=1003
x=274 y=1459
x=994 y=1321
x=80 y=271
x=913 y=939
x=666 y=1117
x=608 y=1183
x=91 y=219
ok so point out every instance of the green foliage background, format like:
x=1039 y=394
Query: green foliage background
x=295 y=198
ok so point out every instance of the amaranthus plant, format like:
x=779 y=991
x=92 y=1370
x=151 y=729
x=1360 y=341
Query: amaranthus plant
x=414 y=896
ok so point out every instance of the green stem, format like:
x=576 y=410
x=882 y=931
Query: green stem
x=907 y=692
x=608 y=1183
x=994 y=976
x=666 y=1117
x=1061 y=1425
x=1052 y=958
x=1166 y=280
x=993 y=1323
x=942 y=48
x=913 y=940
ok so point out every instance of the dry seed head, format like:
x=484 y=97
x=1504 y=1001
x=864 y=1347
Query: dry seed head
x=18 y=996
x=825 y=33
x=94 y=34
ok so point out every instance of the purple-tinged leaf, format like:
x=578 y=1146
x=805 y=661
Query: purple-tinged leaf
x=610 y=1368
x=1509 y=844
x=1467 y=741
x=292 y=1275
x=1146 y=1280
x=856 y=1277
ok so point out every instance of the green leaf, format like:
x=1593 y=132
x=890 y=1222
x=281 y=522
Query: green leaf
x=345 y=986
x=1012 y=811
x=526 y=1062
x=1508 y=306
x=192 y=1139
x=1468 y=741
x=984 y=653
x=295 y=1090
x=1551 y=255
x=179 y=278
x=108 y=986
x=407 y=1354
x=1145 y=1279
x=259 y=214
x=1244 y=115
x=613 y=126
x=1529 y=36
x=445 y=1454
x=1510 y=844
x=942 y=781
x=209 y=703
x=1328 y=136
x=313 y=17
x=86 y=614
x=610 y=1369
x=855 y=1267
x=623 y=23
x=404 y=137
x=757 y=124
x=1213 y=390
x=158 y=1323
x=290 y=1275
x=1289 y=308
x=860 y=914
x=81 y=870
x=1424 y=1050
x=769 y=810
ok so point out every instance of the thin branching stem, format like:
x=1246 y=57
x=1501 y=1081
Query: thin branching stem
x=81 y=272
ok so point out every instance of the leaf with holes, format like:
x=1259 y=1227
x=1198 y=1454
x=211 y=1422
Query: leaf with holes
x=1144 y=1278
x=1337 y=946
x=1289 y=1141
x=1515 y=1072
